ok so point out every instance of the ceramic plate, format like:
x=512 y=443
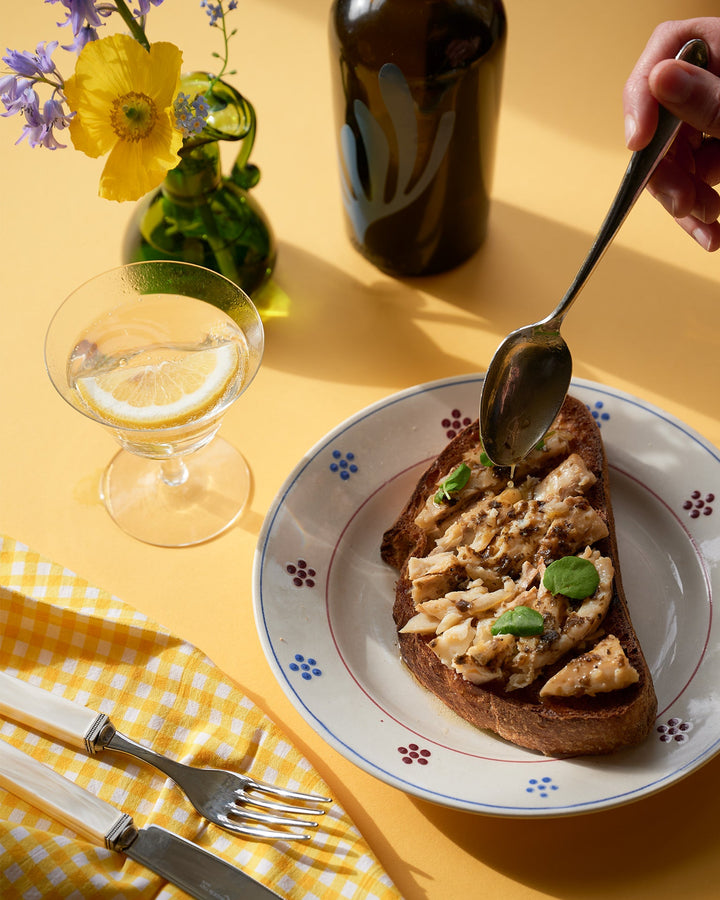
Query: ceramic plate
x=323 y=601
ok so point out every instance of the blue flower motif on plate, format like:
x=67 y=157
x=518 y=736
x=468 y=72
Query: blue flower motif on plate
x=343 y=464
x=308 y=668
x=600 y=414
x=541 y=786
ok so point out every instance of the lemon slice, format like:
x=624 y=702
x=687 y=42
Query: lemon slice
x=161 y=387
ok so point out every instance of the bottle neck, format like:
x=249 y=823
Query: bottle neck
x=426 y=39
x=197 y=175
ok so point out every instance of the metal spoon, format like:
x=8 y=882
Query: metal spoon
x=529 y=374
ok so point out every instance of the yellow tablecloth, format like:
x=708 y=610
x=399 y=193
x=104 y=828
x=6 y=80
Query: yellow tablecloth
x=64 y=635
x=647 y=323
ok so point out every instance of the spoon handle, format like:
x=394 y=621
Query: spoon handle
x=641 y=166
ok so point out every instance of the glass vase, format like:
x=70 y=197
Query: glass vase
x=199 y=215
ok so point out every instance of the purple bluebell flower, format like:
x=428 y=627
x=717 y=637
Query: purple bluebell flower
x=84 y=18
x=86 y=34
x=78 y=12
x=144 y=7
x=16 y=94
x=40 y=125
x=32 y=65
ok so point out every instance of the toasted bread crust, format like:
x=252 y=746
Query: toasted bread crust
x=555 y=727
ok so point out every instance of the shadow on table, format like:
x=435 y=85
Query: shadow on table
x=337 y=329
x=638 y=320
x=640 y=850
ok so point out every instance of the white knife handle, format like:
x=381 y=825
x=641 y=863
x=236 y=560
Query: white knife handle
x=49 y=713
x=59 y=798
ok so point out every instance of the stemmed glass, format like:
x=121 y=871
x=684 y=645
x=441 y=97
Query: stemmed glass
x=156 y=352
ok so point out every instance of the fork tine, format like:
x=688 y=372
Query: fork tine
x=244 y=813
x=244 y=797
x=263 y=833
x=286 y=794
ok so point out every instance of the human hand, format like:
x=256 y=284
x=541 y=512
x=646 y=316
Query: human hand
x=683 y=181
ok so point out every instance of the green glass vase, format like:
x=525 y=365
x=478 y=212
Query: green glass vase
x=198 y=215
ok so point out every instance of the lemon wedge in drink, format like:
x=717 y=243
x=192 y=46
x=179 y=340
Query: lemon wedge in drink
x=162 y=387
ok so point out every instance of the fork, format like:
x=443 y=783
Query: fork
x=235 y=802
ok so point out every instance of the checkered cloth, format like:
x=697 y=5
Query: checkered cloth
x=62 y=634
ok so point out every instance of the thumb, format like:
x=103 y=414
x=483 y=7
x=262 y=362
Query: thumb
x=689 y=92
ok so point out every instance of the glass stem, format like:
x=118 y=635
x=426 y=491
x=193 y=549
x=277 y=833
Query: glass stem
x=173 y=471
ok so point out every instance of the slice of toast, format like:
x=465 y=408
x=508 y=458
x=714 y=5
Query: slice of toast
x=591 y=723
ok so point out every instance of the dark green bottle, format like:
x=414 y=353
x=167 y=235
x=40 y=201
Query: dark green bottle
x=417 y=95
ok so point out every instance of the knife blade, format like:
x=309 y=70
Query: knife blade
x=198 y=872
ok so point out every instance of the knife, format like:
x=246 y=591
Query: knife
x=196 y=871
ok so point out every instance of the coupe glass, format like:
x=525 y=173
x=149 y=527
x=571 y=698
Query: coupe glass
x=173 y=483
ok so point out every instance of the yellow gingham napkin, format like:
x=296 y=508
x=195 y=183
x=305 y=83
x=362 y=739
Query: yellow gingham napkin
x=62 y=634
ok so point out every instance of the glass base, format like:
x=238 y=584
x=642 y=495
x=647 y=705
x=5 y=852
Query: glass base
x=177 y=502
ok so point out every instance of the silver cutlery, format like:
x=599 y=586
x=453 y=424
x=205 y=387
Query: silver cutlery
x=232 y=801
x=529 y=374
x=198 y=872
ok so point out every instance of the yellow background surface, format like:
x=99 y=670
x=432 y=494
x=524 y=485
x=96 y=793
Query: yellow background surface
x=648 y=323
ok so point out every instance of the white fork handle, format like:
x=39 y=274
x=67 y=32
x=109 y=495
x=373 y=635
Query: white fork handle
x=59 y=798
x=43 y=711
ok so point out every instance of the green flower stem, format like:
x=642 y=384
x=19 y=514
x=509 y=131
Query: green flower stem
x=226 y=41
x=58 y=87
x=136 y=29
x=222 y=253
x=194 y=182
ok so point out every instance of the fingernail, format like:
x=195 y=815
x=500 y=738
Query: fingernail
x=630 y=128
x=702 y=238
x=667 y=201
x=675 y=85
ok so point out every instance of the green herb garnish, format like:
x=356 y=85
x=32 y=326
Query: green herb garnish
x=541 y=443
x=453 y=483
x=485 y=460
x=521 y=621
x=572 y=576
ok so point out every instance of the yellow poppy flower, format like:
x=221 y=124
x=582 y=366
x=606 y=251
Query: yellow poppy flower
x=122 y=96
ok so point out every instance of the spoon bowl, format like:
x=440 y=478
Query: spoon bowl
x=529 y=374
x=523 y=391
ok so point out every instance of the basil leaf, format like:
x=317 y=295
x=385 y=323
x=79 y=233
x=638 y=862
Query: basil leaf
x=453 y=483
x=541 y=443
x=521 y=621
x=572 y=576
